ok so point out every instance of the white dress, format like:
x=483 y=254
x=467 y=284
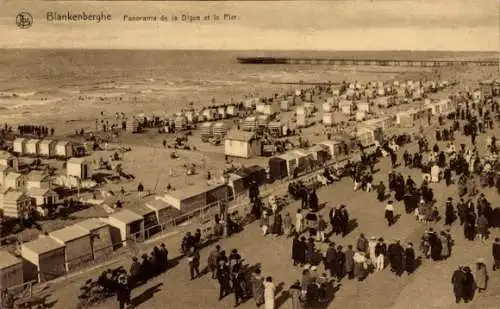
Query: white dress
x=269 y=290
x=298 y=223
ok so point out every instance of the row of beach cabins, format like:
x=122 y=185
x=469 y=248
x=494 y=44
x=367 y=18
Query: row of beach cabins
x=61 y=251
x=61 y=149
x=75 y=246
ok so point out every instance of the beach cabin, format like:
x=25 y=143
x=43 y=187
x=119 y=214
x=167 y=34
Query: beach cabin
x=221 y=112
x=242 y=144
x=345 y=107
x=206 y=131
x=236 y=186
x=8 y=160
x=11 y=270
x=406 y=119
x=303 y=110
x=327 y=107
x=77 y=242
x=295 y=162
x=196 y=196
x=150 y=220
x=191 y=117
x=232 y=110
x=368 y=135
x=126 y=225
x=209 y=114
x=360 y=116
x=486 y=87
x=335 y=148
x=320 y=154
x=47 y=148
x=43 y=197
x=132 y=125
x=100 y=237
x=45 y=259
x=79 y=168
x=363 y=107
x=442 y=107
x=64 y=149
x=37 y=179
x=328 y=119
x=276 y=129
x=277 y=168
x=285 y=105
x=19 y=146
x=307 y=160
x=4 y=171
x=15 y=181
x=16 y=204
x=163 y=211
x=385 y=102
x=249 y=124
x=32 y=147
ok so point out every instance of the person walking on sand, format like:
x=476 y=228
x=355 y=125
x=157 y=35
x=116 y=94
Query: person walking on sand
x=269 y=293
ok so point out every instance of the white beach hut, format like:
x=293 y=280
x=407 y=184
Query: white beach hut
x=16 y=204
x=19 y=145
x=32 y=147
x=242 y=144
x=8 y=160
x=64 y=149
x=47 y=148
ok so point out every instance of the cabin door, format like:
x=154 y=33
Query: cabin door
x=85 y=171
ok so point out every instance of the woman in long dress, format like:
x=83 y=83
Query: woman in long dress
x=257 y=283
x=481 y=277
x=269 y=293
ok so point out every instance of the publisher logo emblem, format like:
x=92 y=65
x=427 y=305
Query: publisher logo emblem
x=24 y=20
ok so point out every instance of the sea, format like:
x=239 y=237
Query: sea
x=32 y=79
x=66 y=67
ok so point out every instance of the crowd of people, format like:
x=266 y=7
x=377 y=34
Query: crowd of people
x=308 y=228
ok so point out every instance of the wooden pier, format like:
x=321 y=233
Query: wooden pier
x=368 y=62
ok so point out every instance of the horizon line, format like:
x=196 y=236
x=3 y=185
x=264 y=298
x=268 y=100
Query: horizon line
x=255 y=50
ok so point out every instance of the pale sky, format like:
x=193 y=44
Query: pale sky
x=278 y=25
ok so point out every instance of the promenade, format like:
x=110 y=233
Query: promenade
x=428 y=288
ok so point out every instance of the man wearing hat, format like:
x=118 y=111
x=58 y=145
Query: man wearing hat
x=449 y=214
x=496 y=253
x=458 y=281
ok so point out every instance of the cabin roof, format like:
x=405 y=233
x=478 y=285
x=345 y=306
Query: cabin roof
x=77 y=160
x=92 y=224
x=42 y=244
x=141 y=209
x=47 y=142
x=13 y=195
x=62 y=143
x=157 y=204
x=33 y=141
x=192 y=191
x=126 y=216
x=40 y=191
x=13 y=175
x=242 y=136
x=5 y=155
x=7 y=259
x=20 y=140
x=69 y=233
x=36 y=175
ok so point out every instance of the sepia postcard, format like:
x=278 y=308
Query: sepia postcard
x=272 y=154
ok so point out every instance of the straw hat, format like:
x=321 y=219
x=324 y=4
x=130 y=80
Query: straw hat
x=480 y=261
